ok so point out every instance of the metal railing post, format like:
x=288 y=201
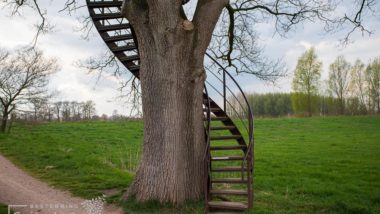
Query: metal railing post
x=224 y=92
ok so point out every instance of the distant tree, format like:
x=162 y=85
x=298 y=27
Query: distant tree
x=79 y=107
x=353 y=106
x=23 y=75
x=66 y=110
x=95 y=117
x=339 y=80
x=104 y=117
x=305 y=81
x=57 y=109
x=358 y=85
x=332 y=104
x=115 y=114
x=373 y=78
x=88 y=109
x=270 y=104
x=38 y=104
x=49 y=111
x=76 y=109
x=284 y=104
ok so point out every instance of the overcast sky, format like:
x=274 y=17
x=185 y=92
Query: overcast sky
x=74 y=83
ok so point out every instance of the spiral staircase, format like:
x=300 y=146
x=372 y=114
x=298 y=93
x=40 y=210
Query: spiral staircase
x=229 y=152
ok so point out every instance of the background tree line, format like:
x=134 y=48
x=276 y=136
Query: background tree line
x=351 y=89
x=44 y=110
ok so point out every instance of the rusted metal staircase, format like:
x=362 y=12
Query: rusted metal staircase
x=229 y=152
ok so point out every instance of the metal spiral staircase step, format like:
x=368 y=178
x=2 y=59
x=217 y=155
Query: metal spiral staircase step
x=228 y=192
x=134 y=68
x=227 y=158
x=113 y=27
x=215 y=128
x=224 y=118
x=231 y=137
x=234 y=147
x=213 y=110
x=229 y=180
x=129 y=58
x=227 y=205
x=123 y=48
x=118 y=38
x=98 y=17
x=229 y=169
x=103 y=4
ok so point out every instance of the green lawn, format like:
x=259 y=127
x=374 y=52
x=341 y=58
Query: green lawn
x=317 y=165
x=3 y=209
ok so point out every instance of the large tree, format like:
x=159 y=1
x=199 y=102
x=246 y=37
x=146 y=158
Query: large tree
x=23 y=77
x=306 y=81
x=172 y=47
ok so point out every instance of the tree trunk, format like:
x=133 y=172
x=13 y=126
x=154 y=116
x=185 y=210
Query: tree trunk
x=172 y=166
x=172 y=79
x=4 y=120
x=172 y=163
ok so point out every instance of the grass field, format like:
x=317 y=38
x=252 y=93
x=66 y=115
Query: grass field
x=3 y=209
x=303 y=165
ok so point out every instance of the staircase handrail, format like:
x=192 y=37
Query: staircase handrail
x=250 y=115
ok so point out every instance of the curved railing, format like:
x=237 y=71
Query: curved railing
x=243 y=103
x=207 y=156
x=247 y=122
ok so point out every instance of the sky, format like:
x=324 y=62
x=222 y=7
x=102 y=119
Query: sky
x=66 y=44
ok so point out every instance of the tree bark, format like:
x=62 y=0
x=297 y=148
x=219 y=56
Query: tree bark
x=172 y=78
x=4 y=120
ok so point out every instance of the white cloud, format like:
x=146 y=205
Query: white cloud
x=75 y=84
x=328 y=48
x=68 y=47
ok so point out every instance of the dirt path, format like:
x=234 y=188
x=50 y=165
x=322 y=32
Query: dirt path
x=34 y=196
